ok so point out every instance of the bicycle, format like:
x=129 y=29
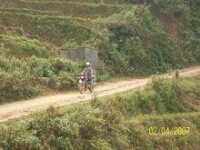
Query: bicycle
x=84 y=84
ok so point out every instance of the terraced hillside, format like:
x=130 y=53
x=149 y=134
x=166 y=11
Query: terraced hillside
x=132 y=37
x=75 y=9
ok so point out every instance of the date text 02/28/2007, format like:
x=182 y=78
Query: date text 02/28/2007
x=167 y=131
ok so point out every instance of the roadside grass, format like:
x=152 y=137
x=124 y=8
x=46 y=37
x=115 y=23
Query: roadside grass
x=113 y=121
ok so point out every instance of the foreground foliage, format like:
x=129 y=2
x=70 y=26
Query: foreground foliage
x=117 y=122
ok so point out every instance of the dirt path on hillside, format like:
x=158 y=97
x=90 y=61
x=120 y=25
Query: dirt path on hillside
x=17 y=109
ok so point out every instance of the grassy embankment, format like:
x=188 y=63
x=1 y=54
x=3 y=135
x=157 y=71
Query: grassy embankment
x=123 y=121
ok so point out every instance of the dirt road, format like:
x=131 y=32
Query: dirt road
x=17 y=109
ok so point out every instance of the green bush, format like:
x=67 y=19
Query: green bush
x=28 y=77
x=144 y=48
x=16 y=87
x=165 y=96
x=161 y=96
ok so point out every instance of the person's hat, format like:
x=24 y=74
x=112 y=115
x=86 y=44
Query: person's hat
x=87 y=63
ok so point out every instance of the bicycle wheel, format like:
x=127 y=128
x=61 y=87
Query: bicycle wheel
x=91 y=86
x=81 y=87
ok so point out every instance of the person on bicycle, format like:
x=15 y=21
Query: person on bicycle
x=88 y=72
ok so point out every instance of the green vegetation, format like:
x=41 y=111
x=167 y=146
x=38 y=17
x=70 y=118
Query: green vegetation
x=117 y=122
x=23 y=78
x=21 y=47
x=86 y=10
x=132 y=37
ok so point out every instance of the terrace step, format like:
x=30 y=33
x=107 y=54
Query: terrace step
x=54 y=29
x=86 y=10
x=30 y=11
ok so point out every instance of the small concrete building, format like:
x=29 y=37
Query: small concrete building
x=84 y=53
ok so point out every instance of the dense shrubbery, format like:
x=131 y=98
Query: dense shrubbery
x=28 y=77
x=160 y=97
x=16 y=86
x=141 y=46
x=112 y=123
x=155 y=39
